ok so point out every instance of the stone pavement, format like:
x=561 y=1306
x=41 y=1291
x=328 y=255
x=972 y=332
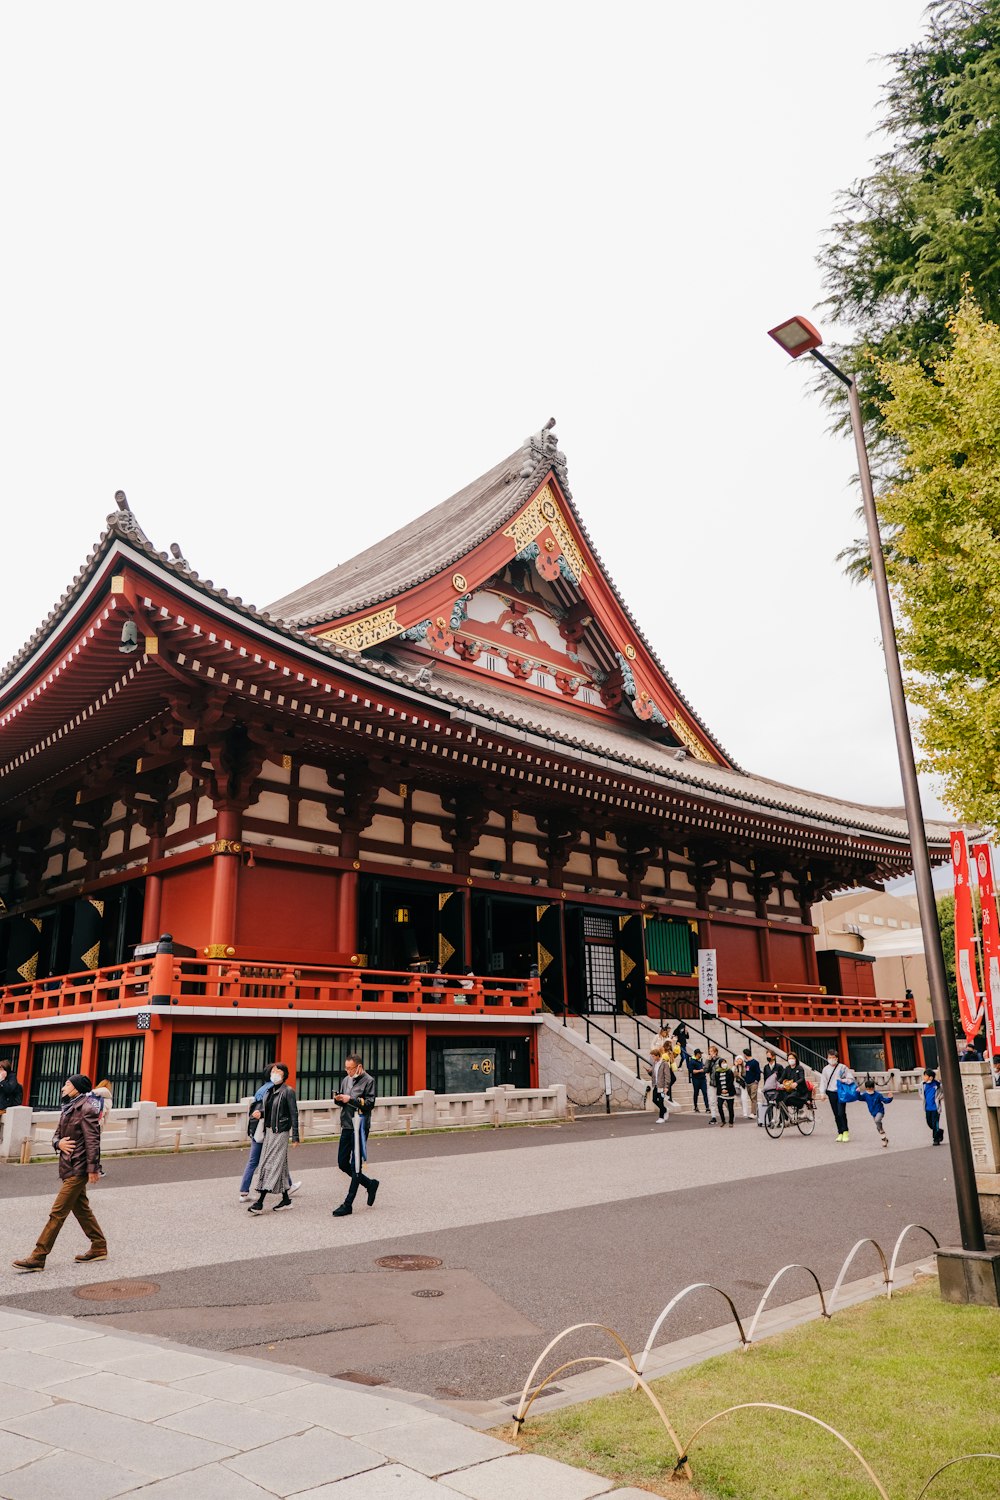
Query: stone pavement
x=519 y=1234
x=97 y=1415
x=159 y=1227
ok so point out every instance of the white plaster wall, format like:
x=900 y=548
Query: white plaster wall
x=314 y=815
x=272 y=806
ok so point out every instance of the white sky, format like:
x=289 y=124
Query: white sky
x=289 y=275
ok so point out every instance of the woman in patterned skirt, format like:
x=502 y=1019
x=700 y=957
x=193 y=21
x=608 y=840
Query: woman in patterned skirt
x=281 y=1122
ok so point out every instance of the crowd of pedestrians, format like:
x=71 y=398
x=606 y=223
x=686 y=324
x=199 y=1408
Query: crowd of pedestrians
x=272 y=1126
x=717 y=1082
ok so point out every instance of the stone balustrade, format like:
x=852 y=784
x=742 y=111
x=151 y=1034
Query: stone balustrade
x=149 y=1127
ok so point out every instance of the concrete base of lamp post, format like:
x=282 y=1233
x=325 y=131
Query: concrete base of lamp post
x=969 y=1276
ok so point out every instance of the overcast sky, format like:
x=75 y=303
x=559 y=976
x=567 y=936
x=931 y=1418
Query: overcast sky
x=289 y=275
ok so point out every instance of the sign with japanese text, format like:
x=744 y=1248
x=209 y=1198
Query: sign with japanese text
x=708 y=981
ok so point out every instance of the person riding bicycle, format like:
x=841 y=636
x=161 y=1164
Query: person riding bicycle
x=793 y=1083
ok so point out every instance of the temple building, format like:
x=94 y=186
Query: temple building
x=424 y=804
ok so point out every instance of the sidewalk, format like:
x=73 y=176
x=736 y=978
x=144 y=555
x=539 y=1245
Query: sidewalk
x=101 y=1415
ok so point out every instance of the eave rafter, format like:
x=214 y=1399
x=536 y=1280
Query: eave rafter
x=248 y=672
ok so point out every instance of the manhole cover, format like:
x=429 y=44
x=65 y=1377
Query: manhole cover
x=409 y=1262
x=116 y=1291
x=428 y=1291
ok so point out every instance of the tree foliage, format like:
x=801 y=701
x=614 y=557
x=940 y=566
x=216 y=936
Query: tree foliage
x=927 y=217
x=946 y=926
x=944 y=509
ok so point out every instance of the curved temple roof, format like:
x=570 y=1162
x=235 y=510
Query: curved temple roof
x=416 y=552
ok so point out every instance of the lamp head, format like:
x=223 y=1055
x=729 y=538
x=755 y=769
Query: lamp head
x=796 y=336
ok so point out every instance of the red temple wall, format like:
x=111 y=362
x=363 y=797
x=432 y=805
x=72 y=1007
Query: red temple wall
x=788 y=957
x=186 y=904
x=287 y=906
x=738 y=955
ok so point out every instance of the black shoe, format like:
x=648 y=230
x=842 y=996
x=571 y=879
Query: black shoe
x=286 y=1202
x=258 y=1207
x=342 y=1212
x=372 y=1190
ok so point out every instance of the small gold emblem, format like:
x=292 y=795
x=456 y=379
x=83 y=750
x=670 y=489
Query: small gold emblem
x=459 y=583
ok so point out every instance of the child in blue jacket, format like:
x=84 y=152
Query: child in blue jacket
x=876 y=1103
x=932 y=1105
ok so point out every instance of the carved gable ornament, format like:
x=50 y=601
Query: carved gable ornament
x=544 y=514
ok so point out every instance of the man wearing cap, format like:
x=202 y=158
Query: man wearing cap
x=78 y=1142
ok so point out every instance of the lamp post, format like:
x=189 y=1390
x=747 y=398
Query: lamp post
x=797 y=336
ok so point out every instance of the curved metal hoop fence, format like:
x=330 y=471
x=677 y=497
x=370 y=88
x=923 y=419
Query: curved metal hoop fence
x=522 y=1409
x=792 y=1411
x=664 y=1315
x=965 y=1458
x=640 y=1384
x=843 y=1270
x=903 y=1233
x=794 y=1265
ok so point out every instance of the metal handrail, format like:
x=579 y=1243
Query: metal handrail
x=747 y=1036
x=640 y=1061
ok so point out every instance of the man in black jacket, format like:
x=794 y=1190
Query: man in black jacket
x=78 y=1142
x=11 y=1092
x=357 y=1099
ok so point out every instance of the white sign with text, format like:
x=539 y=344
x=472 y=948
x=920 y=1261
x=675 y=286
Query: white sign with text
x=708 y=981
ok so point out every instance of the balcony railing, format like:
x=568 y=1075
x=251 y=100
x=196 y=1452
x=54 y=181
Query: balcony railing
x=165 y=980
x=766 y=1005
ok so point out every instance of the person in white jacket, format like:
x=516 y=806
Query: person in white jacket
x=836 y=1072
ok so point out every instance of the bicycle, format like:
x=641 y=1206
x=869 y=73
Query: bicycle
x=785 y=1112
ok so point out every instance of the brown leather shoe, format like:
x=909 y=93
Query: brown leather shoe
x=92 y=1255
x=30 y=1263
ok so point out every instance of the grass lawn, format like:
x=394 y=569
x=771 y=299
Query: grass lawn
x=911 y=1383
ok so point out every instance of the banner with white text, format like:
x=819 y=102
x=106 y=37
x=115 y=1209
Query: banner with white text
x=991 y=945
x=966 y=968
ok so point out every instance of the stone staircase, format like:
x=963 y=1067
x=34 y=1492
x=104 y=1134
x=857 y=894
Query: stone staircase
x=622 y=1031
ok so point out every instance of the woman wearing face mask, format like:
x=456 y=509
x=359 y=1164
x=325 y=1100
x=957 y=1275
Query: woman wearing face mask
x=281 y=1122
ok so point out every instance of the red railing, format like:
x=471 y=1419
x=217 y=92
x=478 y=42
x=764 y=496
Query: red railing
x=765 y=1005
x=226 y=982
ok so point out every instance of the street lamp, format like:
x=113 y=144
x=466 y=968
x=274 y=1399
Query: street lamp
x=797 y=336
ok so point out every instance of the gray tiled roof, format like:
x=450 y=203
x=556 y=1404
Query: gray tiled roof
x=444 y=535
x=428 y=544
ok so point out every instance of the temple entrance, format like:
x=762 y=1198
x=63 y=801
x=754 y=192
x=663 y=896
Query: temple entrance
x=605 y=964
x=517 y=937
x=503 y=936
x=412 y=925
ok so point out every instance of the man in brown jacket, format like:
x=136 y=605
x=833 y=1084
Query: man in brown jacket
x=78 y=1142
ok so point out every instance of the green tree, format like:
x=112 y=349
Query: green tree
x=946 y=924
x=928 y=214
x=944 y=510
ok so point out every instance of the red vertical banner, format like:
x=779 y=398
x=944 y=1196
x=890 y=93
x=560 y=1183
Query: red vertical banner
x=991 y=946
x=966 y=973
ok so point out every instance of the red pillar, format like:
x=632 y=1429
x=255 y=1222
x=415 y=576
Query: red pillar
x=418 y=1057
x=88 y=1052
x=764 y=951
x=156 y=1063
x=347 y=912
x=845 y=1055
x=288 y=1046
x=153 y=895
x=225 y=882
x=887 y=1045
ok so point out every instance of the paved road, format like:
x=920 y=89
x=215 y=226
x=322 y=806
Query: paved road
x=535 y=1229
